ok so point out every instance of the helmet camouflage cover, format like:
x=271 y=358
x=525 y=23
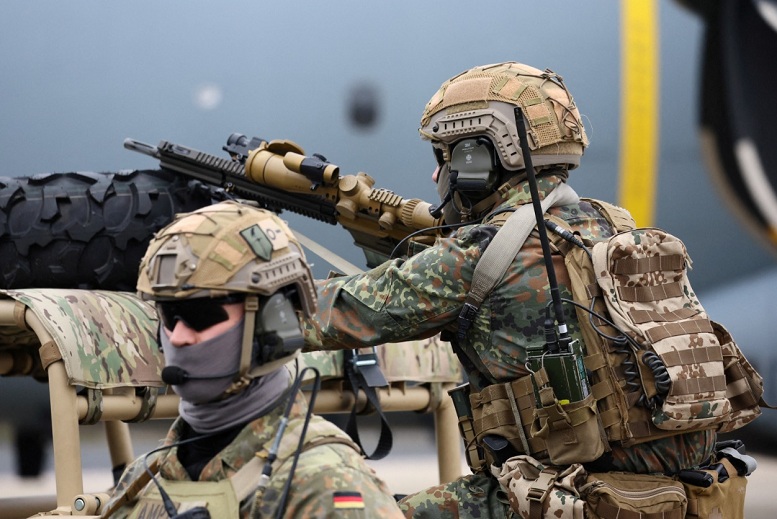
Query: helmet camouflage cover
x=225 y=248
x=481 y=101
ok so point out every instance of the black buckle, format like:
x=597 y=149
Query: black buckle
x=366 y=365
x=466 y=317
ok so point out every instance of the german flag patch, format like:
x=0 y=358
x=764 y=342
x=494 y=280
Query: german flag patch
x=347 y=500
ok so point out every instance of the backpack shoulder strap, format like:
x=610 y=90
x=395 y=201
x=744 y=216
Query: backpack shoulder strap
x=503 y=248
x=619 y=218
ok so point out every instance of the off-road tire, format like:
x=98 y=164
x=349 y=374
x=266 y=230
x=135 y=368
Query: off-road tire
x=86 y=230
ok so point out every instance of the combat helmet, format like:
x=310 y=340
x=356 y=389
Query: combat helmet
x=471 y=124
x=232 y=249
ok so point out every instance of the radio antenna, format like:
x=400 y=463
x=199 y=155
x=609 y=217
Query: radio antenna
x=563 y=341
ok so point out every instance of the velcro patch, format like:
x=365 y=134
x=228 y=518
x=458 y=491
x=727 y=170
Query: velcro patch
x=346 y=500
x=265 y=237
x=475 y=89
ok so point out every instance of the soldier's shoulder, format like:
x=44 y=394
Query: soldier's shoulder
x=480 y=235
x=332 y=454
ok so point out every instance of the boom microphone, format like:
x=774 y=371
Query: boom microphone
x=436 y=211
x=175 y=376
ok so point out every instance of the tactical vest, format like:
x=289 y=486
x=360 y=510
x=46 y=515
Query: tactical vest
x=656 y=365
x=222 y=498
x=218 y=497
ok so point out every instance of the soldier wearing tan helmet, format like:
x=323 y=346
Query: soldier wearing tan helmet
x=481 y=177
x=470 y=122
x=230 y=283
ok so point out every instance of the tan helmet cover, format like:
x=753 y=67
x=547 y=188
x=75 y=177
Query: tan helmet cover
x=481 y=101
x=225 y=248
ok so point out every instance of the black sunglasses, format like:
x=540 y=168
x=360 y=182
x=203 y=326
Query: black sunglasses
x=198 y=314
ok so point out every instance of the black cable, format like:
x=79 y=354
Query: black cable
x=592 y=313
x=499 y=211
x=308 y=415
x=166 y=501
x=662 y=378
x=569 y=236
x=631 y=373
x=436 y=211
x=427 y=229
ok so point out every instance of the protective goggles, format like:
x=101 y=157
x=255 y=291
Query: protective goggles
x=198 y=314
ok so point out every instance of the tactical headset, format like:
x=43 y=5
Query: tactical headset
x=474 y=166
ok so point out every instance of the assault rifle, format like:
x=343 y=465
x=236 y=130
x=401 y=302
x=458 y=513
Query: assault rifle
x=278 y=176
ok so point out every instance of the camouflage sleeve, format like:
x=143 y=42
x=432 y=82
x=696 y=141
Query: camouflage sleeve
x=132 y=473
x=397 y=301
x=474 y=496
x=332 y=481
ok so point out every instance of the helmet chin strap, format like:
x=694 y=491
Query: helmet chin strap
x=491 y=201
x=497 y=196
x=242 y=379
x=247 y=373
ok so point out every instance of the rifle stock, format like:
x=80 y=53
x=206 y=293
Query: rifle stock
x=279 y=176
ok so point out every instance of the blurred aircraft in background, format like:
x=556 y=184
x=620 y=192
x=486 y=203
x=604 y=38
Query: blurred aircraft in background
x=350 y=80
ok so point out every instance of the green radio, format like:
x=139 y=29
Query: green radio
x=566 y=371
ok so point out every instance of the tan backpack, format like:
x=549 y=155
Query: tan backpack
x=658 y=366
x=667 y=368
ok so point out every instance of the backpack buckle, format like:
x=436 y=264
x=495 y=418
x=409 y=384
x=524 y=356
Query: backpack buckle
x=540 y=489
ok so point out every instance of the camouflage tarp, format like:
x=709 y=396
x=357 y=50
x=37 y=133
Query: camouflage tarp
x=108 y=339
x=428 y=360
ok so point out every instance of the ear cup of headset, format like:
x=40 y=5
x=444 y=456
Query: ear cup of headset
x=277 y=332
x=475 y=163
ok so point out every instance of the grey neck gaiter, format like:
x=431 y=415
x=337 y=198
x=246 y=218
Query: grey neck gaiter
x=218 y=357
x=203 y=405
x=261 y=396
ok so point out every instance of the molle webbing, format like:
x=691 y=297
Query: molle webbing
x=649 y=294
x=744 y=386
x=645 y=316
x=685 y=391
x=694 y=356
x=507 y=410
x=675 y=370
x=666 y=331
x=655 y=360
x=467 y=431
x=649 y=264
x=612 y=394
x=613 y=371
